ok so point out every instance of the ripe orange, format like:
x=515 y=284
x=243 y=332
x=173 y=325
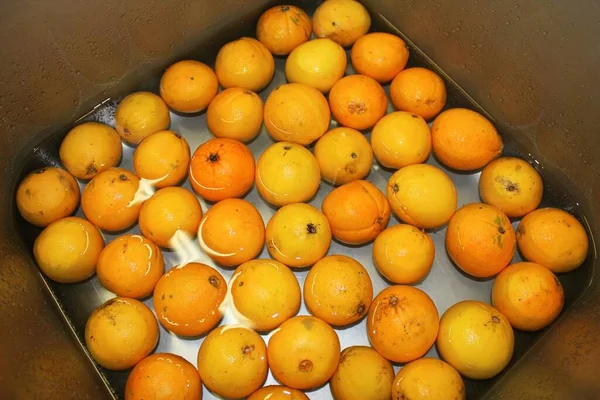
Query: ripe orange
x=283 y=28
x=276 y=392
x=343 y=21
x=235 y=113
x=428 y=378
x=139 y=115
x=419 y=91
x=245 y=63
x=379 y=55
x=188 y=86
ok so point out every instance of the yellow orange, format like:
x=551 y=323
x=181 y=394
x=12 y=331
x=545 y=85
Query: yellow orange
x=283 y=28
x=245 y=63
x=343 y=21
x=428 y=378
x=419 y=91
x=379 y=55
x=235 y=113
x=139 y=115
x=277 y=392
x=188 y=86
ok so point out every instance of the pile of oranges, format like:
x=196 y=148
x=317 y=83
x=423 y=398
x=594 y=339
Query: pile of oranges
x=474 y=339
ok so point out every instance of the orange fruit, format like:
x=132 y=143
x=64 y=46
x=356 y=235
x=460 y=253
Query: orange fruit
x=235 y=113
x=245 y=63
x=357 y=212
x=89 y=148
x=298 y=235
x=188 y=86
x=222 y=168
x=428 y=378
x=464 y=140
x=529 y=295
x=163 y=376
x=296 y=113
x=232 y=232
x=403 y=323
x=400 y=139
x=480 y=240
x=187 y=299
x=120 y=333
x=67 y=250
x=232 y=361
x=139 y=115
x=512 y=185
x=130 y=266
x=276 y=392
x=343 y=21
x=422 y=195
x=379 y=55
x=304 y=352
x=283 y=28
x=109 y=200
x=419 y=91
x=554 y=238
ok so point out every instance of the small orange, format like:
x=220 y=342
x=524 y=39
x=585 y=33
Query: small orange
x=245 y=63
x=428 y=378
x=419 y=91
x=139 y=115
x=343 y=21
x=222 y=168
x=187 y=299
x=403 y=323
x=235 y=113
x=283 y=28
x=480 y=240
x=379 y=55
x=188 y=86
x=232 y=232
x=357 y=212
x=357 y=101
x=276 y=392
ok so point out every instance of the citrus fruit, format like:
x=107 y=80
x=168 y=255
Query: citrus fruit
x=379 y=55
x=277 y=392
x=139 y=115
x=245 y=63
x=343 y=21
x=428 y=378
x=235 y=113
x=419 y=91
x=188 y=86
x=283 y=28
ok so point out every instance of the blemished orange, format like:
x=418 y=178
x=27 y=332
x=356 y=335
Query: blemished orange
x=188 y=86
x=357 y=101
x=120 y=333
x=232 y=361
x=163 y=376
x=187 y=299
x=465 y=140
x=235 y=113
x=428 y=378
x=357 y=212
x=403 y=254
x=67 y=250
x=163 y=157
x=379 y=55
x=419 y=91
x=89 y=148
x=278 y=392
x=47 y=195
x=130 y=266
x=283 y=28
x=245 y=63
x=554 y=238
x=343 y=21
x=480 y=240
x=109 y=200
x=232 y=232
x=296 y=113
x=139 y=115
x=402 y=323
x=222 y=168
x=422 y=195
x=529 y=295
x=304 y=352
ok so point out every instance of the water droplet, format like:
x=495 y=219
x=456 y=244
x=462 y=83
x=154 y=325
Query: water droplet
x=545 y=33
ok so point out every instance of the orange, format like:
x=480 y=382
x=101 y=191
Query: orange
x=428 y=378
x=110 y=201
x=379 y=55
x=403 y=254
x=357 y=101
x=304 y=352
x=163 y=157
x=120 y=333
x=130 y=266
x=464 y=140
x=512 y=185
x=187 y=299
x=400 y=139
x=276 y=392
x=419 y=91
x=343 y=21
x=139 y=115
x=89 y=148
x=232 y=361
x=283 y=28
x=232 y=232
x=298 y=235
x=422 y=195
x=403 y=323
x=67 y=250
x=296 y=113
x=264 y=294
x=287 y=173
x=245 y=63
x=188 y=86
x=480 y=240
x=235 y=113
x=554 y=238
x=356 y=211
x=362 y=374
x=163 y=376
x=529 y=295
x=475 y=339
x=222 y=168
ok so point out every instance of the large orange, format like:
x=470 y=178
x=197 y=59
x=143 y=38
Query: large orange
x=343 y=21
x=139 y=115
x=379 y=55
x=428 y=378
x=245 y=63
x=278 y=392
x=283 y=28
x=235 y=113
x=188 y=86
x=419 y=91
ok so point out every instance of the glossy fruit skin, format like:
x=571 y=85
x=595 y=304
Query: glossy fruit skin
x=428 y=378
x=419 y=91
x=188 y=86
x=235 y=113
x=139 y=115
x=283 y=28
x=379 y=55
x=343 y=21
x=245 y=63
